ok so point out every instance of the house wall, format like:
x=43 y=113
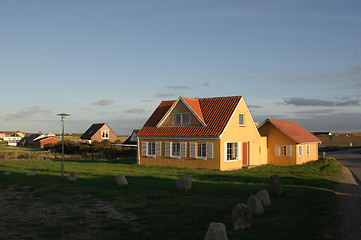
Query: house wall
x=98 y=135
x=187 y=162
x=276 y=137
x=241 y=134
x=306 y=158
x=46 y=141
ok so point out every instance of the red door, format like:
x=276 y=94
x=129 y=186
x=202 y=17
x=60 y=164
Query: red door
x=245 y=153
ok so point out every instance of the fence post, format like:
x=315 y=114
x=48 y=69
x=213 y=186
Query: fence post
x=115 y=154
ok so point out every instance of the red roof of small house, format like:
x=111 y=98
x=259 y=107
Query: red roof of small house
x=215 y=113
x=294 y=131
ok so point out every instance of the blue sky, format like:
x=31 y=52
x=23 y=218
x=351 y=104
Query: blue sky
x=114 y=61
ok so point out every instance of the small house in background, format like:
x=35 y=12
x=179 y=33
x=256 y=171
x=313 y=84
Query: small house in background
x=131 y=140
x=288 y=143
x=39 y=140
x=11 y=136
x=99 y=132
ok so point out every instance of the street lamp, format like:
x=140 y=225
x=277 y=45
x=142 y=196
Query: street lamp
x=63 y=115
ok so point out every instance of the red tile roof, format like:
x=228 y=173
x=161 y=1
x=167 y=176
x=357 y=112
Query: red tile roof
x=194 y=104
x=215 y=112
x=294 y=131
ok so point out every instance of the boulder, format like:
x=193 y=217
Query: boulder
x=121 y=180
x=275 y=186
x=73 y=176
x=184 y=182
x=242 y=217
x=264 y=197
x=7 y=173
x=31 y=173
x=255 y=205
x=216 y=231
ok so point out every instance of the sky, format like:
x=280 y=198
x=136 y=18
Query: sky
x=114 y=61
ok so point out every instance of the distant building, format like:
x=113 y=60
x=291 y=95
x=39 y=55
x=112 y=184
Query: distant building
x=11 y=136
x=131 y=140
x=99 y=132
x=38 y=140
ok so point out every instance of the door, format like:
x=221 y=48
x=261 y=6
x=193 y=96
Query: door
x=245 y=153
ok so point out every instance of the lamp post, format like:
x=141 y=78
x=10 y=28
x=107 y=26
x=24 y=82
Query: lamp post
x=63 y=115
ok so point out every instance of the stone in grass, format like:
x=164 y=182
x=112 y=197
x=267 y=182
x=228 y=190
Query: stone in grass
x=264 y=197
x=121 y=180
x=216 y=231
x=255 y=205
x=7 y=173
x=31 y=173
x=275 y=186
x=184 y=182
x=73 y=176
x=242 y=217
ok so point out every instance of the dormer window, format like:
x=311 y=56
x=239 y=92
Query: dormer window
x=105 y=134
x=181 y=119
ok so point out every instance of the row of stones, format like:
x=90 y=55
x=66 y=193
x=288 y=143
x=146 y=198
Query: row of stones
x=242 y=214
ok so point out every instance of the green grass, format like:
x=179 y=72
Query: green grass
x=163 y=212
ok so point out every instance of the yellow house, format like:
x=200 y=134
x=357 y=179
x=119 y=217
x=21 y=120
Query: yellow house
x=212 y=133
x=288 y=143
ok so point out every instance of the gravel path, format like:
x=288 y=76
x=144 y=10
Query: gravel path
x=349 y=204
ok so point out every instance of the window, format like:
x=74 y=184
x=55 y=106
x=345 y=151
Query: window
x=241 y=119
x=181 y=119
x=176 y=149
x=105 y=134
x=308 y=149
x=232 y=151
x=201 y=150
x=300 y=150
x=151 y=148
x=283 y=150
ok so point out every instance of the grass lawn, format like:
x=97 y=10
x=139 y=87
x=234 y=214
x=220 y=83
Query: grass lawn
x=150 y=207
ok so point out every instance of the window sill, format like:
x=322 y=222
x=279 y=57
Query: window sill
x=175 y=157
x=151 y=156
x=201 y=158
x=235 y=160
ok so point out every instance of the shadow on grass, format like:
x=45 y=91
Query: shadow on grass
x=168 y=213
x=120 y=161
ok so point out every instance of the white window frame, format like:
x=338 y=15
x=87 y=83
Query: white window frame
x=231 y=149
x=106 y=133
x=146 y=146
x=300 y=150
x=175 y=151
x=151 y=149
x=201 y=150
x=194 y=150
x=182 y=119
x=308 y=149
x=241 y=117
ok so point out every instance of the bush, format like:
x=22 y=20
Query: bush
x=103 y=147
